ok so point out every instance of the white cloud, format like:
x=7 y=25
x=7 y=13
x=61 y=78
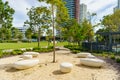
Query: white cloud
x=97 y=6
x=20 y=10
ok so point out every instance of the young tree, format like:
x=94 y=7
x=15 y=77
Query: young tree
x=112 y=22
x=28 y=34
x=49 y=36
x=6 y=17
x=88 y=30
x=54 y=4
x=20 y=35
x=38 y=18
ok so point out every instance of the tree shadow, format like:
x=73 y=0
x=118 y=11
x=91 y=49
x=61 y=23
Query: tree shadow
x=115 y=65
x=58 y=72
x=5 y=66
x=12 y=70
x=89 y=67
x=8 y=68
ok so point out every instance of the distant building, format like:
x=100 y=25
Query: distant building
x=73 y=8
x=115 y=8
x=118 y=6
x=22 y=30
x=83 y=12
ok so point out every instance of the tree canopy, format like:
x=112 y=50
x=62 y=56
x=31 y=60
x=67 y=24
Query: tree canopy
x=111 y=22
x=6 y=18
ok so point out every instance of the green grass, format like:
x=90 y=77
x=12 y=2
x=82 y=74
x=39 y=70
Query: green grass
x=27 y=45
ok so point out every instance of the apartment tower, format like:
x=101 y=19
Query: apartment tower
x=83 y=12
x=73 y=8
x=118 y=6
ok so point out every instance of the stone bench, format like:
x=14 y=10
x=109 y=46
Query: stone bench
x=25 y=64
x=34 y=54
x=66 y=67
x=26 y=56
x=92 y=62
x=83 y=54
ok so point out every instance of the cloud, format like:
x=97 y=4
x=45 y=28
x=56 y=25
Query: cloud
x=101 y=7
x=20 y=7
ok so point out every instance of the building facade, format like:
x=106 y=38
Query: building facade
x=118 y=6
x=83 y=12
x=22 y=30
x=73 y=8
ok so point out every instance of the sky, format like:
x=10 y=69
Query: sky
x=101 y=7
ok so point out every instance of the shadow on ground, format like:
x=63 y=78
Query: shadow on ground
x=89 y=67
x=115 y=65
x=58 y=72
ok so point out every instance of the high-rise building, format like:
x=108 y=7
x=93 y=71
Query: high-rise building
x=73 y=8
x=118 y=6
x=83 y=12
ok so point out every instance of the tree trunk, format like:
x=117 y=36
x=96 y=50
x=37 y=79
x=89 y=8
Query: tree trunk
x=39 y=37
x=53 y=34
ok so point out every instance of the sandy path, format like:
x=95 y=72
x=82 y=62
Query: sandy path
x=50 y=71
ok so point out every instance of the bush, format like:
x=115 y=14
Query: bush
x=1 y=53
x=17 y=52
x=75 y=51
x=73 y=47
x=50 y=47
x=29 y=49
x=112 y=57
x=104 y=55
x=36 y=48
x=8 y=41
x=118 y=60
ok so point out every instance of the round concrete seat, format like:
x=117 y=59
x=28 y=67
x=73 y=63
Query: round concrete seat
x=25 y=64
x=83 y=55
x=92 y=62
x=91 y=56
x=27 y=56
x=65 y=67
x=34 y=54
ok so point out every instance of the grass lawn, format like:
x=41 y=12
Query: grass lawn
x=27 y=45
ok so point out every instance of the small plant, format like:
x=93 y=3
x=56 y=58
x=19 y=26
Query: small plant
x=118 y=60
x=36 y=48
x=1 y=53
x=75 y=51
x=105 y=55
x=112 y=56
x=17 y=52
x=50 y=47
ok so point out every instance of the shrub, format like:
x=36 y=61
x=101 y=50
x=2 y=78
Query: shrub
x=17 y=52
x=75 y=51
x=50 y=47
x=73 y=47
x=96 y=54
x=104 y=55
x=112 y=56
x=1 y=53
x=28 y=49
x=118 y=60
x=8 y=41
x=36 y=48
